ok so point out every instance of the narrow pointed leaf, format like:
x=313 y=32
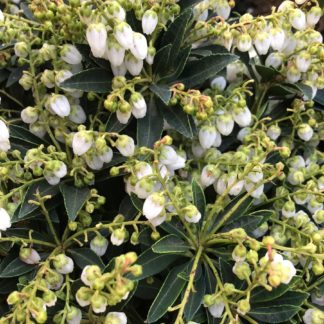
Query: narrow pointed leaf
x=170 y=244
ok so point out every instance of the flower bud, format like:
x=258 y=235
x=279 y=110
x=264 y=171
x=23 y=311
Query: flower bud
x=225 y=124
x=297 y=19
x=218 y=83
x=153 y=205
x=29 y=115
x=139 y=48
x=29 y=256
x=288 y=209
x=70 y=54
x=274 y=131
x=59 y=105
x=303 y=61
x=84 y=294
x=98 y=303
x=293 y=74
x=49 y=298
x=82 y=141
x=133 y=65
x=116 y=318
x=239 y=253
x=74 y=315
x=305 y=132
x=244 y=42
x=21 y=49
x=243 y=306
x=149 y=22
x=118 y=236
x=262 y=42
x=313 y=15
x=63 y=264
x=26 y=81
x=242 y=116
x=99 y=245
x=242 y=270
x=77 y=114
x=125 y=145
x=96 y=36
x=89 y=274
x=207 y=136
x=277 y=36
x=191 y=214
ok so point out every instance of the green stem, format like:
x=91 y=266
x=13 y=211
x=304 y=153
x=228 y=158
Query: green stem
x=315 y=284
x=23 y=240
x=189 y=286
x=11 y=98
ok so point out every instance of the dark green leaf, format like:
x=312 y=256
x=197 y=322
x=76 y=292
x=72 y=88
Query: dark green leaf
x=247 y=222
x=198 y=197
x=320 y=97
x=175 y=70
x=138 y=203
x=149 y=128
x=175 y=35
x=162 y=91
x=4 y=74
x=210 y=280
x=167 y=295
x=180 y=121
x=16 y=268
x=170 y=244
x=85 y=256
x=195 y=299
x=161 y=57
x=96 y=79
x=27 y=12
x=294 y=298
x=198 y=71
x=43 y=188
x=127 y=209
x=25 y=136
x=274 y=314
x=174 y=227
x=188 y=3
x=267 y=73
x=113 y=125
x=25 y=233
x=153 y=263
x=7 y=285
x=260 y=294
x=74 y=198
x=15 y=75
x=209 y=50
x=147 y=290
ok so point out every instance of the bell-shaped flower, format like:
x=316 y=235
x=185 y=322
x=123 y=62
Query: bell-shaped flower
x=5 y=220
x=134 y=65
x=303 y=61
x=209 y=174
x=313 y=15
x=234 y=184
x=119 y=70
x=77 y=114
x=98 y=303
x=207 y=135
x=59 y=105
x=244 y=42
x=97 y=36
x=153 y=205
x=257 y=192
x=116 y=318
x=4 y=137
x=242 y=116
x=29 y=115
x=139 y=48
x=305 y=132
x=274 y=131
x=222 y=8
x=218 y=83
x=114 y=52
x=93 y=161
x=99 y=245
x=293 y=74
x=117 y=237
x=256 y=175
x=151 y=52
x=124 y=35
x=74 y=315
x=191 y=214
x=262 y=42
x=277 y=38
x=63 y=264
x=274 y=59
x=70 y=54
x=225 y=124
x=82 y=142
x=89 y=274
x=149 y=21
x=216 y=310
x=297 y=19
x=29 y=256
x=168 y=155
x=125 y=145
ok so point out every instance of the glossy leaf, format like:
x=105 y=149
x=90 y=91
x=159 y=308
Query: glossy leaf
x=180 y=121
x=74 y=198
x=16 y=268
x=167 y=295
x=161 y=91
x=149 y=128
x=198 y=71
x=138 y=203
x=274 y=314
x=96 y=79
x=153 y=263
x=113 y=125
x=85 y=256
x=15 y=75
x=267 y=73
x=170 y=244
x=198 y=197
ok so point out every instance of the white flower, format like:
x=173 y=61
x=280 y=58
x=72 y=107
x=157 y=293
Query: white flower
x=1 y=16
x=317 y=298
x=225 y=124
x=274 y=59
x=29 y=256
x=74 y=315
x=305 y=132
x=274 y=131
x=114 y=52
x=4 y=137
x=235 y=184
x=29 y=115
x=243 y=132
x=107 y=155
x=59 y=105
x=255 y=193
x=116 y=318
x=244 y=42
x=63 y=264
x=77 y=114
x=308 y=316
x=168 y=155
x=89 y=274
x=99 y=245
x=277 y=39
x=149 y=22
x=261 y=230
x=117 y=237
x=134 y=65
x=297 y=19
x=297 y=162
x=124 y=35
x=139 y=48
x=293 y=74
x=21 y=49
x=223 y=8
x=123 y=117
x=125 y=145
x=81 y=142
x=303 y=61
x=242 y=116
x=143 y=169
x=70 y=54
x=221 y=184
x=116 y=11
x=5 y=220
x=197 y=150
x=313 y=206
x=216 y=310
x=313 y=16
x=153 y=205
x=119 y=70
x=93 y=162
x=262 y=42
x=192 y=214
x=207 y=136
x=97 y=37
x=218 y=83
x=156 y=221
x=256 y=174
x=209 y=175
